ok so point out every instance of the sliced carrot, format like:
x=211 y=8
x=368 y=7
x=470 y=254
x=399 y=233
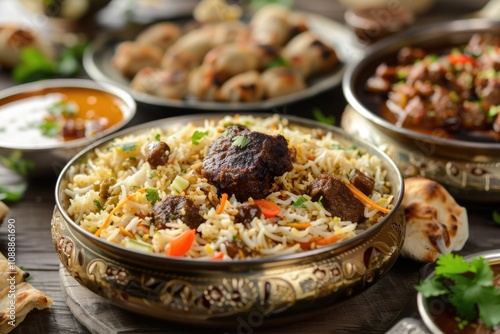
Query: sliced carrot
x=365 y=199
x=269 y=209
x=330 y=240
x=107 y=221
x=143 y=228
x=126 y=233
x=218 y=256
x=455 y=59
x=307 y=245
x=182 y=244
x=223 y=200
x=300 y=226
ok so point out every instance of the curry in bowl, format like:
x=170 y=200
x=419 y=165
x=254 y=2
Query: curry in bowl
x=237 y=188
x=48 y=122
x=47 y=117
x=451 y=94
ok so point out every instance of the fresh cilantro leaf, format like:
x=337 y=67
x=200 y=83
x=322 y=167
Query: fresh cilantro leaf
x=468 y=286
x=33 y=66
x=69 y=62
x=299 y=203
x=431 y=288
x=451 y=264
x=50 y=129
x=278 y=62
x=496 y=217
x=493 y=112
x=13 y=192
x=241 y=141
x=98 y=205
x=256 y=4
x=16 y=163
x=319 y=200
x=489 y=307
x=68 y=108
x=197 y=135
x=322 y=118
x=484 y=274
x=152 y=195
x=157 y=137
x=128 y=147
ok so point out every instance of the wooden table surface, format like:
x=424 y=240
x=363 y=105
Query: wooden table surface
x=370 y=312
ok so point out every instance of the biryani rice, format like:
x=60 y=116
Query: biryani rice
x=128 y=209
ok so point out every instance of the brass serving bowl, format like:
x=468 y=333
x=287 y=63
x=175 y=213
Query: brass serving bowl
x=217 y=293
x=470 y=170
x=427 y=311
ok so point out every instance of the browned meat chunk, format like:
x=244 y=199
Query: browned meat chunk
x=246 y=213
x=378 y=85
x=244 y=162
x=236 y=249
x=176 y=207
x=408 y=55
x=363 y=182
x=337 y=198
x=473 y=116
x=496 y=124
x=157 y=154
x=488 y=90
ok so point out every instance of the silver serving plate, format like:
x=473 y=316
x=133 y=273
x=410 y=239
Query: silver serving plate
x=469 y=169
x=218 y=293
x=97 y=63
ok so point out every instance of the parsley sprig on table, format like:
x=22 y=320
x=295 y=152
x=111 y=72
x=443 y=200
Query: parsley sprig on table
x=468 y=286
x=35 y=65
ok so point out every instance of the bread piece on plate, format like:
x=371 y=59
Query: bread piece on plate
x=14 y=38
x=27 y=297
x=435 y=223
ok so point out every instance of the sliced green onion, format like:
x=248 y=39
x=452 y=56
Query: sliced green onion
x=138 y=246
x=179 y=184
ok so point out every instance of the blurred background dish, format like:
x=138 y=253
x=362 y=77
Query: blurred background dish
x=469 y=167
x=46 y=123
x=73 y=10
x=99 y=56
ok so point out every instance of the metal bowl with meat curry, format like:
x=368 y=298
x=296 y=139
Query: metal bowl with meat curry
x=431 y=97
x=212 y=282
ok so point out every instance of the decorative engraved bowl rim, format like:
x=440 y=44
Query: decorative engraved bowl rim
x=423 y=35
x=235 y=265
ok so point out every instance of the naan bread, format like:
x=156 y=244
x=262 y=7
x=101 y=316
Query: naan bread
x=14 y=38
x=27 y=297
x=435 y=223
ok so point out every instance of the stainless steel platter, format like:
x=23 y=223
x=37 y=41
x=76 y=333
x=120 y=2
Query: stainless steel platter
x=97 y=63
